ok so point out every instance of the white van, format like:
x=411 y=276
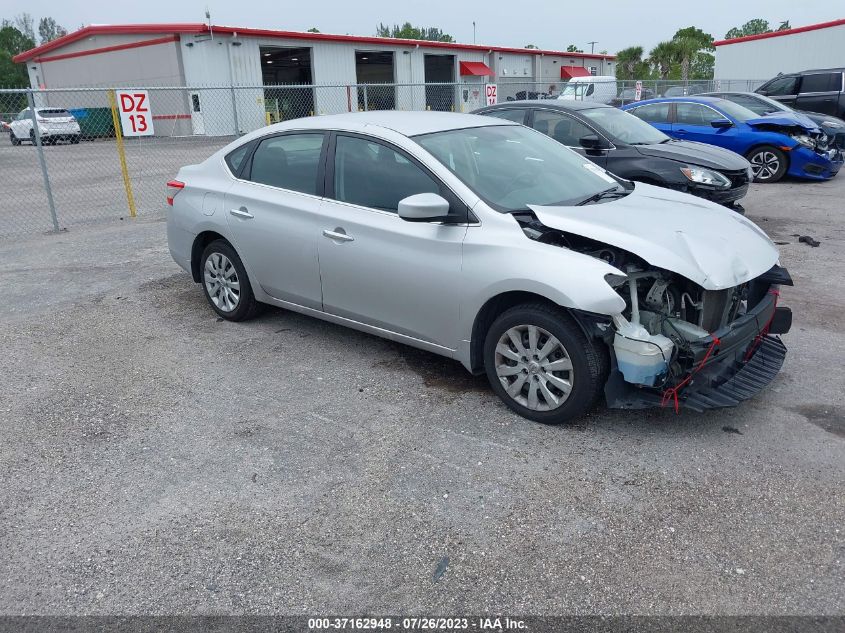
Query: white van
x=599 y=88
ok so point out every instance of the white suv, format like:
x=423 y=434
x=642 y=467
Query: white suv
x=54 y=124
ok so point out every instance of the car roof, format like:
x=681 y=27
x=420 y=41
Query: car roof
x=405 y=123
x=558 y=104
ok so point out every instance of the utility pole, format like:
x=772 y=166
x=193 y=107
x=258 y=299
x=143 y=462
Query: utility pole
x=473 y=31
x=592 y=47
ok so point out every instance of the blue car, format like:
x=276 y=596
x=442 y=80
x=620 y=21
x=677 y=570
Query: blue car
x=776 y=144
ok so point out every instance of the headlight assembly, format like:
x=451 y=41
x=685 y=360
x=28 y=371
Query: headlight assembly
x=706 y=177
x=804 y=140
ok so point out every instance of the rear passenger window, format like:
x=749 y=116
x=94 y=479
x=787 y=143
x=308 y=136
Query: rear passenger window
x=822 y=82
x=653 y=113
x=288 y=162
x=374 y=175
x=518 y=116
x=235 y=158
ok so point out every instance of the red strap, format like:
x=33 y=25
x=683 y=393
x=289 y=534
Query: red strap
x=672 y=392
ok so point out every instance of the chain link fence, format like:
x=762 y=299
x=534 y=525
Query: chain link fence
x=62 y=163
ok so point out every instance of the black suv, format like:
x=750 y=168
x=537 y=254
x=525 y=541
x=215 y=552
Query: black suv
x=814 y=90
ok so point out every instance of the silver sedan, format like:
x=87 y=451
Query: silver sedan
x=487 y=242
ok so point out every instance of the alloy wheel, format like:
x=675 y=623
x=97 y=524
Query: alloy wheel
x=764 y=165
x=534 y=367
x=221 y=282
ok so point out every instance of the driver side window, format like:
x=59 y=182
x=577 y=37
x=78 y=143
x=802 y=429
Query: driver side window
x=562 y=128
x=370 y=174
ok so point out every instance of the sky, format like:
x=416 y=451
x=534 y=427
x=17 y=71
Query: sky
x=549 y=24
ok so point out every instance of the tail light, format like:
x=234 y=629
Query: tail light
x=174 y=187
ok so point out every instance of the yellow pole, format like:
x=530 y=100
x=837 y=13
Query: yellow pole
x=121 y=152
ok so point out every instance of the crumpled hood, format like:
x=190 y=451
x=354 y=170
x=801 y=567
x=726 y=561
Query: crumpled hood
x=693 y=153
x=784 y=119
x=708 y=244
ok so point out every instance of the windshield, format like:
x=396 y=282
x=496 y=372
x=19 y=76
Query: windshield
x=511 y=166
x=574 y=89
x=624 y=127
x=736 y=111
x=771 y=105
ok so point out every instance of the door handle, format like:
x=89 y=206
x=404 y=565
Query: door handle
x=338 y=235
x=681 y=131
x=242 y=213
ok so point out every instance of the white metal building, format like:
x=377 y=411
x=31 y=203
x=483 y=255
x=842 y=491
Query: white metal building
x=209 y=57
x=764 y=56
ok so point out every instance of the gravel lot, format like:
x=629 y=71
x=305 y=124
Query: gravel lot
x=154 y=459
x=87 y=181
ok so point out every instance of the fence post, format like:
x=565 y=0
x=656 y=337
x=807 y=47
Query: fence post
x=366 y=100
x=235 y=111
x=40 y=149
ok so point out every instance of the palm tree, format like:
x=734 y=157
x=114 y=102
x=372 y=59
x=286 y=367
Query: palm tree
x=663 y=56
x=686 y=48
x=629 y=60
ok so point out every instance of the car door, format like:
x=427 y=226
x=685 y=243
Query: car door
x=377 y=268
x=819 y=92
x=272 y=210
x=692 y=123
x=22 y=124
x=783 y=89
x=567 y=130
x=657 y=114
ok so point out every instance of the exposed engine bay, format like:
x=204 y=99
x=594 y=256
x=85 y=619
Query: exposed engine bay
x=670 y=324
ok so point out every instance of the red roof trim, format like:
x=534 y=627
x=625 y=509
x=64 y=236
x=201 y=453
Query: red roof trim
x=799 y=29
x=109 y=49
x=200 y=28
x=476 y=69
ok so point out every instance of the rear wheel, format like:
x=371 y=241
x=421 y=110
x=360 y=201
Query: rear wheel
x=74 y=139
x=225 y=282
x=768 y=163
x=539 y=362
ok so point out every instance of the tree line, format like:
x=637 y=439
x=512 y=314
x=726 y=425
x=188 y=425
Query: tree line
x=17 y=35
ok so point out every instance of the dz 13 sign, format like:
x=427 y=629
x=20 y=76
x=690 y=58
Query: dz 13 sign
x=136 y=119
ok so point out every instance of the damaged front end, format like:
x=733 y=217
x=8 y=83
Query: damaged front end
x=701 y=336
x=716 y=348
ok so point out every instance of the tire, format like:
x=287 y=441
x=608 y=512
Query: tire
x=234 y=299
x=32 y=137
x=582 y=363
x=74 y=140
x=769 y=163
x=14 y=139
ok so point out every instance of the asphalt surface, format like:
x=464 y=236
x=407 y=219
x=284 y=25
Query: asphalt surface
x=155 y=459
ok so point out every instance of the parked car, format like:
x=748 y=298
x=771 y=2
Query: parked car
x=598 y=88
x=488 y=242
x=629 y=95
x=775 y=145
x=54 y=124
x=632 y=149
x=685 y=90
x=833 y=127
x=814 y=90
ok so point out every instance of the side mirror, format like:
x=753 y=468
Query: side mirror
x=423 y=207
x=591 y=141
x=721 y=123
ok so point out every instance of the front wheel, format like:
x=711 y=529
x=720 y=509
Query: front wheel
x=14 y=139
x=541 y=364
x=225 y=282
x=768 y=163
